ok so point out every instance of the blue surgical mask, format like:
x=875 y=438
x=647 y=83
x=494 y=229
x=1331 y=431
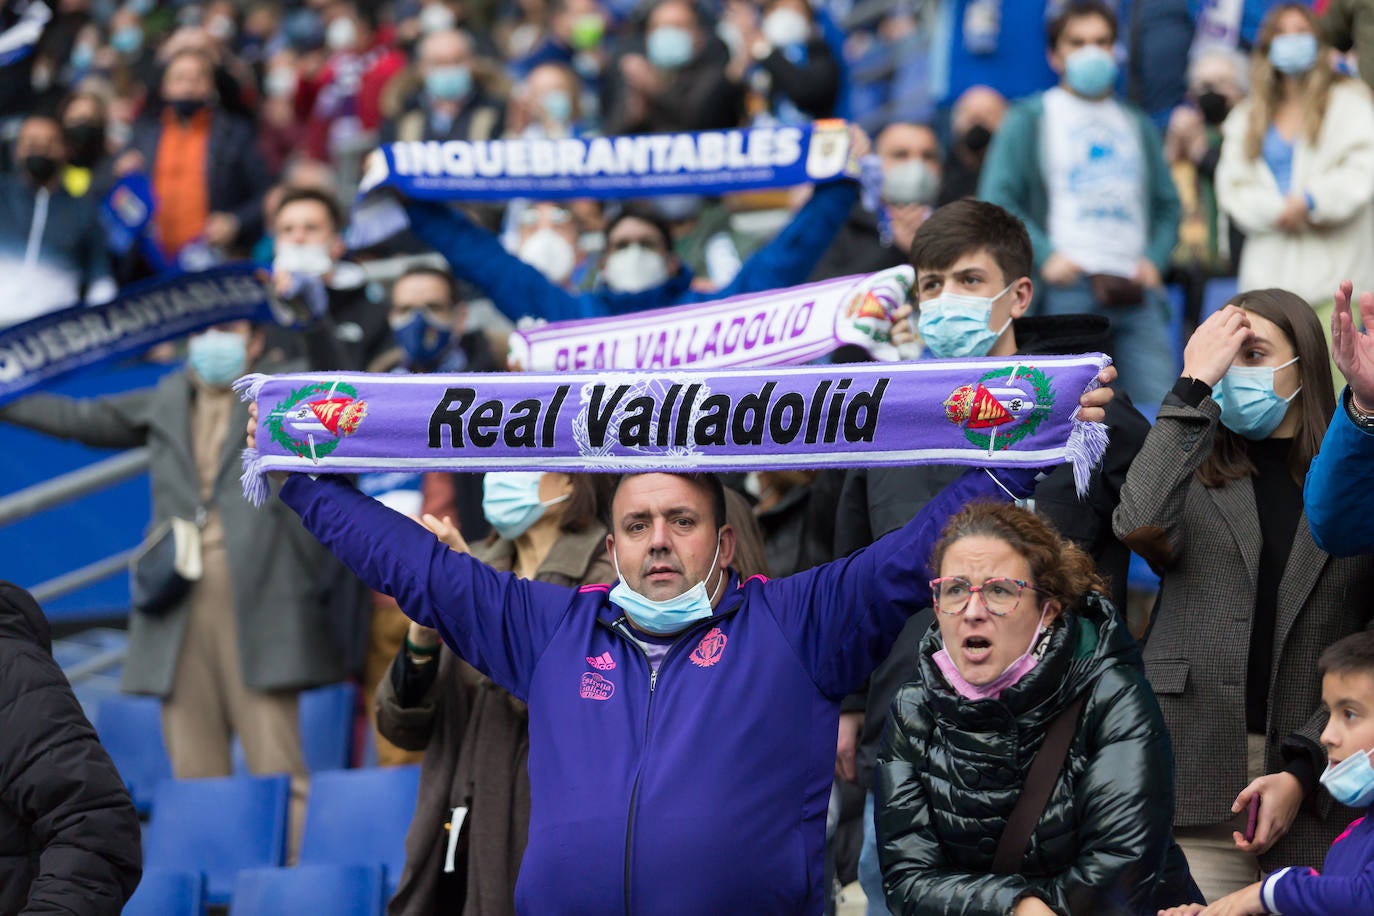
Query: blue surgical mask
x=422 y=338
x=1351 y=782
x=558 y=105
x=1249 y=405
x=449 y=83
x=128 y=40
x=669 y=47
x=1090 y=71
x=1294 y=53
x=218 y=357
x=955 y=326
x=672 y=615
x=510 y=501
x=82 y=56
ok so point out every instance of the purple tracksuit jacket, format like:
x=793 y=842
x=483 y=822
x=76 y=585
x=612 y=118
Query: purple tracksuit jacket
x=702 y=788
x=1345 y=884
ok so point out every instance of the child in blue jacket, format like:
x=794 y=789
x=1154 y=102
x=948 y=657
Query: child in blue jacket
x=1346 y=882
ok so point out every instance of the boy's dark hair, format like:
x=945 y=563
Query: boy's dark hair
x=1078 y=9
x=1352 y=655
x=965 y=226
x=650 y=216
x=701 y=480
x=326 y=200
x=430 y=270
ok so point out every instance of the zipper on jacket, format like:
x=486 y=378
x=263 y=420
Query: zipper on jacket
x=634 y=790
x=621 y=628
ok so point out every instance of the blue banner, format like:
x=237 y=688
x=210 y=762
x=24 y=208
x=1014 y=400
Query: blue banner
x=707 y=162
x=145 y=314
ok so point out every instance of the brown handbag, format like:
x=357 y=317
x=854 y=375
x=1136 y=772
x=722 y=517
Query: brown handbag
x=1112 y=291
x=1035 y=794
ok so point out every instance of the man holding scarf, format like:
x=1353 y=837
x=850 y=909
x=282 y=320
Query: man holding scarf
x=682 y=722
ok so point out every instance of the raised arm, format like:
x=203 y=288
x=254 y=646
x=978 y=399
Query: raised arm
x=1150 y=515
x=119 y=421
x=496 y=622
x=1340 y=510
x=476 y=255
x=791 y=256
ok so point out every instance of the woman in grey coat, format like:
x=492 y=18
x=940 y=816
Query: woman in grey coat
x=1247 y=600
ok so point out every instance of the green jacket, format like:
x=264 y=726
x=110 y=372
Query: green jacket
x=950 y=771
x=1013 y=177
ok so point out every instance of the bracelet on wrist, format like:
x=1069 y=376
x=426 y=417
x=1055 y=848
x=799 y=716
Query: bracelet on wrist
x=421 y=651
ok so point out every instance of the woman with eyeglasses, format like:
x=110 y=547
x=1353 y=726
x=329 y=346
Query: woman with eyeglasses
x=1028 y=661
x=1247 y=600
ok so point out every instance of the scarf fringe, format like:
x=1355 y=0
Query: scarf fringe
x=249 y=386
x=1086 y=445
x=254 y=479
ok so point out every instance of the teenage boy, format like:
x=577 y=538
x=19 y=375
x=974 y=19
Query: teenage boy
x=973 y=287
x=1346 y=882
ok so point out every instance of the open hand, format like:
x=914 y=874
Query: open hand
x=1188 y=909
x=445 y=531
x=1352 y=349
x=1214 y=345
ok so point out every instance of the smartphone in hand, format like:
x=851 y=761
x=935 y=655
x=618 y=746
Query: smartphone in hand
x=1252 y=818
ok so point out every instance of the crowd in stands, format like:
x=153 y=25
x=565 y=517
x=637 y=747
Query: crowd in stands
x=1185 y=185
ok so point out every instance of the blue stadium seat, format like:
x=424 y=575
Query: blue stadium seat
x=360 y=817
x=326 y=716
x=1215 y=294
x=336 y=890
x=219 y=827
x=164 y=892
x=130 y=728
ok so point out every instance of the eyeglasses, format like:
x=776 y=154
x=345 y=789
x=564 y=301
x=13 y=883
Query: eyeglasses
x=1000 y=594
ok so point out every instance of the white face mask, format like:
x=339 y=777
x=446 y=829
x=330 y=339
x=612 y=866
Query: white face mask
x=910 y=182
x=310 y=260
x=785 y=27
x=549 y=253
x=341 y=34
x=437 y=18
x=634 y=269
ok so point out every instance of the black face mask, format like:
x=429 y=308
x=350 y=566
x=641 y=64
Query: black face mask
x=85 y=143
x=977 y=138
x=186 y=109
x=1213 y=106
x=40 y=168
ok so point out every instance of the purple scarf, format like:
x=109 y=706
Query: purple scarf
x=985 y=412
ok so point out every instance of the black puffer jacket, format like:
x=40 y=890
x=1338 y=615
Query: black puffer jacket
x=950 y=771
x=69 y=837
